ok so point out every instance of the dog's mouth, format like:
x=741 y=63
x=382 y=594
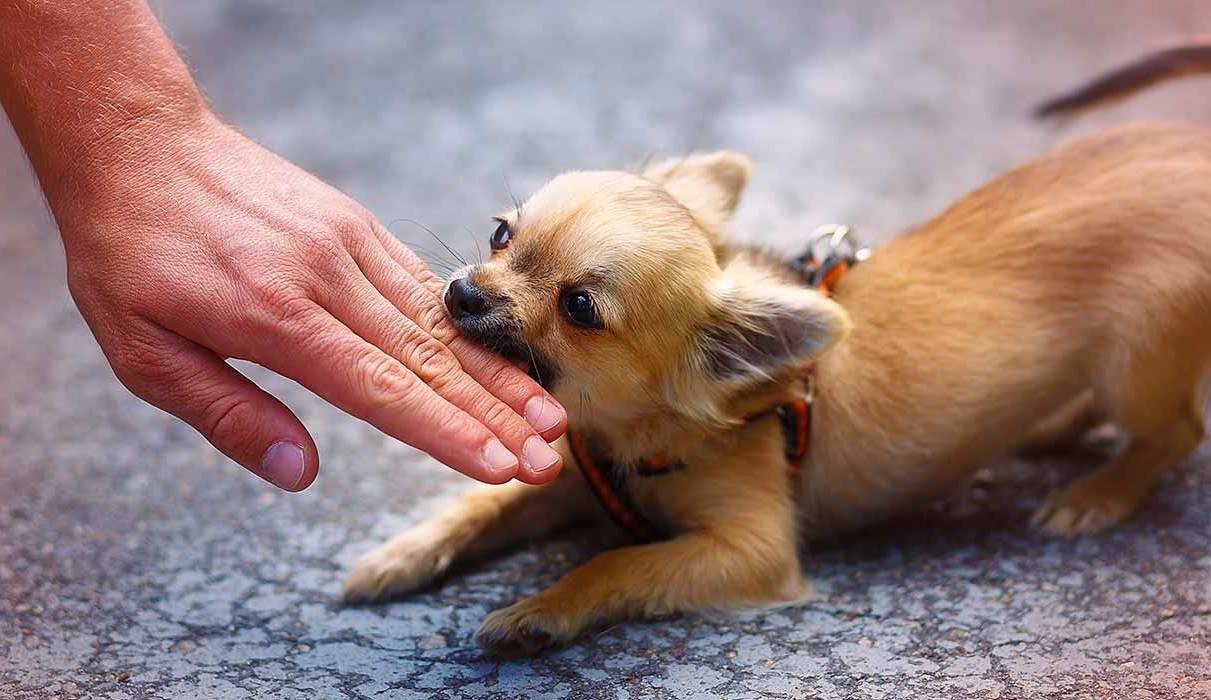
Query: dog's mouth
x=505 y=339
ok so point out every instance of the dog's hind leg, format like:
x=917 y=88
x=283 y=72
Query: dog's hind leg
x=1159 y=404
x=1064 y=428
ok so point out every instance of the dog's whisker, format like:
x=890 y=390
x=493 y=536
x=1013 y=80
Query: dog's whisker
x=533 y=363
x=645 y=161
x=432 y=257
x=517 y=207
x=440 y=265
x=479 y=251
x=586 y=404
x=426 y=229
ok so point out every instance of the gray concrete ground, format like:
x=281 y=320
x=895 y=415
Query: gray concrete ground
x=136 y=563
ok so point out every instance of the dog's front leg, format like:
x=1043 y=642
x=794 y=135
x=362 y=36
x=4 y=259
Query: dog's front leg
x=713 y=567
x=476 y=524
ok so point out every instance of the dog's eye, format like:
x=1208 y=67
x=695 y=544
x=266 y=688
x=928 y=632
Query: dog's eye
x=500 y=237
x=578 y=307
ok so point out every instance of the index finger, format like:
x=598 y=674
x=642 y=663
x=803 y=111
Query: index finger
x=347 y=371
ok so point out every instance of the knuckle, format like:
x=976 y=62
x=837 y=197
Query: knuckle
x=348 y=237
x=386 y=382
x=502 y=374
x=295 y=310
x=79 y=282
x=498 y=414
x=225 y=418
x=324 y=252
x=434 y=320
x=432 y=361
x=139 y=363
x=350 y=229
x=282 y=302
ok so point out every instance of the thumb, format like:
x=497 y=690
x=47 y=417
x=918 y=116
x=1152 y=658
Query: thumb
x=242 y=421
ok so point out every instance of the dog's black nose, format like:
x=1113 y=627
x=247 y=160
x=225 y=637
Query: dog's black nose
x=464 y=299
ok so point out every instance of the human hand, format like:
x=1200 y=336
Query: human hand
x=193 y=245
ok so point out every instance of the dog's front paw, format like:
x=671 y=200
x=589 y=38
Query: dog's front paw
x=405 y=564
x=525 y=628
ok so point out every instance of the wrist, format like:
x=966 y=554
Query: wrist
x=76 y=159
x=89 y=86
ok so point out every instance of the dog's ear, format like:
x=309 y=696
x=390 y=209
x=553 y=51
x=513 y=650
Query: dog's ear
x=759 y=324
x=708 y=184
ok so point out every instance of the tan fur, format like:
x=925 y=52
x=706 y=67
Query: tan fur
x=1077 y=285
x=1065 y=428
x=1086 y=269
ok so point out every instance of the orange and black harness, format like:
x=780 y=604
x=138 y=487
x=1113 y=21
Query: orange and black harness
x=830 y=254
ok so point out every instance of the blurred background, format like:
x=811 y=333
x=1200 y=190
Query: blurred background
x=135 y=562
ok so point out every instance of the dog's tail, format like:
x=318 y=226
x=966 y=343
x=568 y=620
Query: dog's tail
x=1119 y=84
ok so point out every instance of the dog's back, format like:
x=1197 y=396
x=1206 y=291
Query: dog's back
x=1086 y=270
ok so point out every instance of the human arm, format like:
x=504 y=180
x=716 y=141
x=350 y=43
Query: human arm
x=188 y=244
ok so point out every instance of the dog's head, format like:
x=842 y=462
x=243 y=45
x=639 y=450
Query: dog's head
x=619 y=293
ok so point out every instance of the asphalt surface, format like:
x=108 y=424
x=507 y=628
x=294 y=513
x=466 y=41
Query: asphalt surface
x=137 y=563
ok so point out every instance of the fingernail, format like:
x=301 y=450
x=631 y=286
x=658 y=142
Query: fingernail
x=283 y=465
x=539 y=455
x=497 y=458
x=542 y=413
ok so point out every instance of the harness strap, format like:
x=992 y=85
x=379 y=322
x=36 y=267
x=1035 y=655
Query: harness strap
x=608 y=482
x=796 y=417
x=609 y=487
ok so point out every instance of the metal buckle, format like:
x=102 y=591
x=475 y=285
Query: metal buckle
x=836 y=241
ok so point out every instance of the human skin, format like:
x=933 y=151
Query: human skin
x=188 y=244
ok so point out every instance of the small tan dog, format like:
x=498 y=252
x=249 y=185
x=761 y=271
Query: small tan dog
x=1077 y=286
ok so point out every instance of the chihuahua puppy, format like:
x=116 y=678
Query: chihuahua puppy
x=1075 y=289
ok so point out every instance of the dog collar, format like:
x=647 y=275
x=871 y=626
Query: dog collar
x=831 y=252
